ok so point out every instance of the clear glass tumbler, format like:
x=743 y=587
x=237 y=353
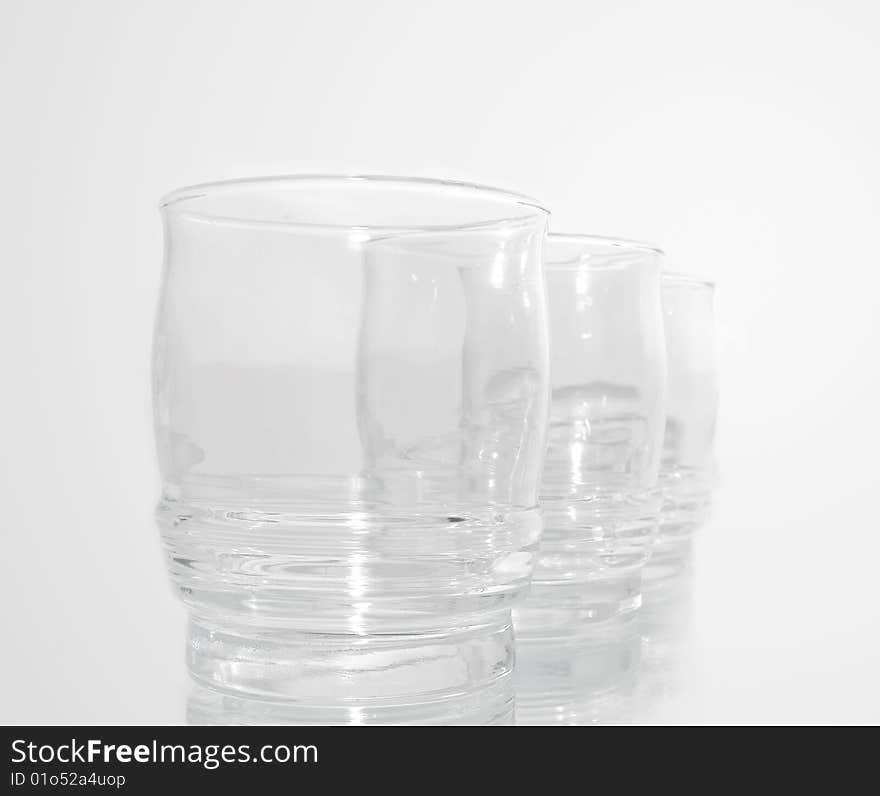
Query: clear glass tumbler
x=599 y=493
x=351 y=395
x=688 y=473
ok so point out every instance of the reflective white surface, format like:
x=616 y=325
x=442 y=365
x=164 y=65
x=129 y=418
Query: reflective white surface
x=781 y=644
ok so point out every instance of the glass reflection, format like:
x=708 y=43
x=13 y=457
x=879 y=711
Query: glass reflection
x=584 y=675
x=665 y=621
x=619 y=671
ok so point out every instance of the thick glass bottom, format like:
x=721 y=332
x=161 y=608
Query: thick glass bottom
x=273 y=675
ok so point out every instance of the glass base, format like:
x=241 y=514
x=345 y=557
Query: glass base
x=588 y=677
x=665 y=626
x=556 y=610
x=668 y=562
x=677 y=531
x=270 y=675
x=578 y=650
x=687 y=506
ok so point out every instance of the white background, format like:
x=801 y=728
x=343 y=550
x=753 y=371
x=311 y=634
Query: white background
x=740 y=136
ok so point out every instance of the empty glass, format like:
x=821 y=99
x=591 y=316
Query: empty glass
x=351 y=394
x=687 y=473
x=599 y=493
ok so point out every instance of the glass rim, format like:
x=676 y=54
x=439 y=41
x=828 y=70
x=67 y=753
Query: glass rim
x=682 y=278
x=607 y=246
x=175 y=201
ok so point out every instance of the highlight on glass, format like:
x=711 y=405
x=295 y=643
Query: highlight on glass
x=351 y=396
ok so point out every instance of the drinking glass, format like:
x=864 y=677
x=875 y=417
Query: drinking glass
x=687 y=472
x=599 y=493
x=351 y=395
